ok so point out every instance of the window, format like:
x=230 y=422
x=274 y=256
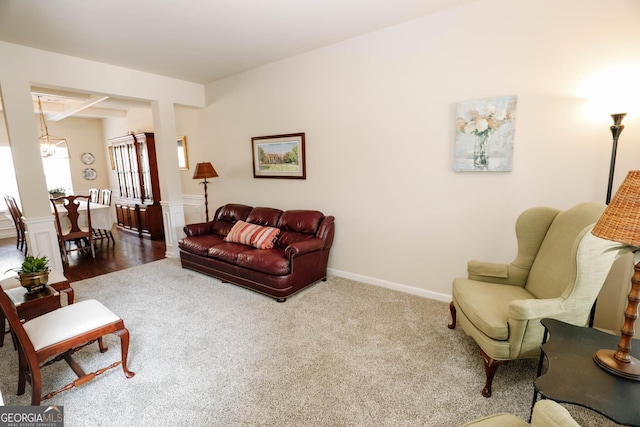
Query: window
x=8 y=183
x=56 y=170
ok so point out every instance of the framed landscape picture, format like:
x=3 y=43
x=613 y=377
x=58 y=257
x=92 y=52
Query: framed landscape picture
x=279 y=156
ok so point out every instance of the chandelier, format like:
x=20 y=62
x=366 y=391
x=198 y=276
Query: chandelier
x=48 y=143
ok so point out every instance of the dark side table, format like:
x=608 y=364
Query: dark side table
x=573 y=377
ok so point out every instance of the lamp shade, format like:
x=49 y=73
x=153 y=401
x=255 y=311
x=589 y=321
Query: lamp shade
x=620 y=221
x=204 y=170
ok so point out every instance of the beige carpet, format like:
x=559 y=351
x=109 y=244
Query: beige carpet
x=340 y=353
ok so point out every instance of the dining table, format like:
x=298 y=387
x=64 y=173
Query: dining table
x=102 y=216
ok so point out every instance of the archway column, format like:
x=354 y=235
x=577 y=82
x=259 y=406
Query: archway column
x=164 y=128
x=32 y=185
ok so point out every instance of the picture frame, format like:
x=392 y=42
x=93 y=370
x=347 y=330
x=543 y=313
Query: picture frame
x=183 y=158
x=485 y=134
x=279 y=156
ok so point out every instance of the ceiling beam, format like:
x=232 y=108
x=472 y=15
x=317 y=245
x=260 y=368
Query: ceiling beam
x=93 y=100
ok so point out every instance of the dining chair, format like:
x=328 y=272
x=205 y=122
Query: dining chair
x=16 y=215
x=56 y=335
x=81 y=236
x=94 y=195
x=105 y=196
x=104 y=199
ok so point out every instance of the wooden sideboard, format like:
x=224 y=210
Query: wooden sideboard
x=138 y=208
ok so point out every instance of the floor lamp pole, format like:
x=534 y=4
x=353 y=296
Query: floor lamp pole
x=206 y=201
x=616 y=129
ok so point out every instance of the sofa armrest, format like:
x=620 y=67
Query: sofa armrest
x=326 y=230
x=198 y=229
x=303 y=247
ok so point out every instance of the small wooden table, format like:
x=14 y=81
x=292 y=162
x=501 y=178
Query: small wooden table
x=573 y=377
x=30 y=305
x=38 y=303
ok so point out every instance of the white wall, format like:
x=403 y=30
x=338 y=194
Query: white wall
x=378 y=113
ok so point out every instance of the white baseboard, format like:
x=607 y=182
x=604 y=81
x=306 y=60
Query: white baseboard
x=391 y=285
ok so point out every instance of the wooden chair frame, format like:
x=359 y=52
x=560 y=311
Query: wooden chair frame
x=71 y=204
x=16 y=215
x=31 y=361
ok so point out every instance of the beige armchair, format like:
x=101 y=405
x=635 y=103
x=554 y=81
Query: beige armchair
x=557 y=273
x=546 y=413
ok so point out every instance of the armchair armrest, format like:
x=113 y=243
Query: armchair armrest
x=198 y=229
x=303 y=247
x=505 y=274
x=535 y=308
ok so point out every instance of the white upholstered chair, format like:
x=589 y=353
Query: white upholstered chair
x=57 y=335
x=546 y=413
x=557 y=273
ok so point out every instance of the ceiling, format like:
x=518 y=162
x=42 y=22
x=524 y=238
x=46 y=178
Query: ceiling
x=197 y=40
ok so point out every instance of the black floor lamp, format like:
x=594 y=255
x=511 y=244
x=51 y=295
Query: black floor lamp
x=616 y=129
x=203 y=171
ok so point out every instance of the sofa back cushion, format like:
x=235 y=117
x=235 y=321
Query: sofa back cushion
x=298 y=225
x=228 y=215
x=264 y=216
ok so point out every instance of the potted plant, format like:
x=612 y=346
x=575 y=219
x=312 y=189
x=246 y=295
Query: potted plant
x=57 y=192
x=33 y=274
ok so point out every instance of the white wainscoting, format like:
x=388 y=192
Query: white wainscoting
x=7 y=229
x=193 y=209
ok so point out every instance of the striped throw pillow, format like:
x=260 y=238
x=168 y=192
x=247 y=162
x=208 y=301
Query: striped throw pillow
x=253 y=235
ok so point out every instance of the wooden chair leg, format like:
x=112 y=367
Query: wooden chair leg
x=124 y=349
x=490 y=368
x=101 y=345
x=452 y=309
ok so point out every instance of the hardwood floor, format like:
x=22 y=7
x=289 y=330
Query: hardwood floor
x=127 y=251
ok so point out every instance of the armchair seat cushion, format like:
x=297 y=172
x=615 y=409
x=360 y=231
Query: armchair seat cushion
x=486 y=305
x=76 y=319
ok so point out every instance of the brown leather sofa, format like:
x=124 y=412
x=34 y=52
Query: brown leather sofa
x=298 y=258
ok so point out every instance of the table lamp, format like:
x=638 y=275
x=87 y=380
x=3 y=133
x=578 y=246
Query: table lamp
x=620 y=222
x=203 y=171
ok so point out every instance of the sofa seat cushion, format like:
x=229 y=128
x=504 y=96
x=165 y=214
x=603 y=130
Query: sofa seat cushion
x=271 y=261
x=200 y=244
x=485 y=306
x=226 y=251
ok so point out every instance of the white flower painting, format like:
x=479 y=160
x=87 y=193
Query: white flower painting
x=484 y=134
